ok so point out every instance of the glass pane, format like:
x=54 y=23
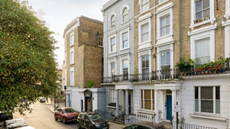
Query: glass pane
x=163 y=31
x=125 y=36
x=145 y=37
x=206 y=92
x=167 y=57
x=126 y=18
x=163 y=58
x=206 y=14
x=205 y=4
x=199 y=16
x=218 y=92
x=218 y=106
x=143 y=62
x=196 y=92
x=125 y=44
x=153 y=94
x=125 y=63
x=197 y=105
x=167 y=19
x=141 y=94
x=113 y=48
x=125 y=11
x=144 y=1
x=148 y=104
x=163 y=21
x=148 y=94
x=198 y=6
x=145 y=28
x=167 y=29
x=147 y=61
x=112 y=41
x=207 y=106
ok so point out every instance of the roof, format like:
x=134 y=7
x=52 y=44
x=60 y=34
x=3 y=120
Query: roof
x=108 y=4
x=149 y=124
x=75 y=21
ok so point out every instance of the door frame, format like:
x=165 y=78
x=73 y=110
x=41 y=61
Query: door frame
x=167 y=106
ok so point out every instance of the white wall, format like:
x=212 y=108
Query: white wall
x=188 y=101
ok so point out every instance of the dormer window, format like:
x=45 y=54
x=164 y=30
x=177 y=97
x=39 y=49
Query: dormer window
x=144 y=5
x=125 y=15
x=202 y=10
x=113 y=21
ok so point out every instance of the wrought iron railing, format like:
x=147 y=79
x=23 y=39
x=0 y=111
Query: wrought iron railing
x=129 y=119
x=190 y=126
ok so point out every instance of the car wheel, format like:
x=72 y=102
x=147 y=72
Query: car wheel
x=80 y=126
x=55 y=117
x=63 y=120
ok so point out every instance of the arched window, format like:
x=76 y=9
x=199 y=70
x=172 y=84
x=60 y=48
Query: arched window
x=113 y=21
x=125 y=15
x=144 y=5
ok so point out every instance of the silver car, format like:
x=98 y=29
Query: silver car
x=16 y=124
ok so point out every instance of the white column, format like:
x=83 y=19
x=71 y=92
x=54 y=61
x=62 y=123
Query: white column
x=127 y=102
x=173 y=104
x=117 y=104
x=156 y=106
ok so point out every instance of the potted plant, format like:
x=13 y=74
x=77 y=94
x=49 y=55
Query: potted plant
x=181 y=65
x=222 y=64
x=206 y=66
x=200 y=20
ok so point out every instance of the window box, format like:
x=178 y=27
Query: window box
x=199 y=69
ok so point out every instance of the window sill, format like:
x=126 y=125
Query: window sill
x=202 y=23
x=71 y=45
x=146 y=42
x=112 y=52
x=125 y=49
x=211 y=117
x=100 y=46
x=165 y=36
x=71 y=64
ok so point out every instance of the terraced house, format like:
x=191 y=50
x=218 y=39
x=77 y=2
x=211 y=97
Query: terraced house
x=179 y=56
x=83 y=64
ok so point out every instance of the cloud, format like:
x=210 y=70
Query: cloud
x=58 y=34
x=40 y=14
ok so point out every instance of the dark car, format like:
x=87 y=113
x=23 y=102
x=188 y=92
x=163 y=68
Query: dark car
x=92 y=121
x=66 y=114
x=145 y=125
x=6 y=116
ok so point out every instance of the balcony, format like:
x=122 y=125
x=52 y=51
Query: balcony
x=170 y=74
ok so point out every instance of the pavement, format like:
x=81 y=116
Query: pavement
x=111 y=124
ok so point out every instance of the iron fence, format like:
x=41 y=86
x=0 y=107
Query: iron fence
x=129 y=119
x=190 y=126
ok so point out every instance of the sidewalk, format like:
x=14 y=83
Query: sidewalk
x=111 y=124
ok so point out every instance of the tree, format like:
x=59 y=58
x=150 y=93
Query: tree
x=27 y=64
x=90 y=84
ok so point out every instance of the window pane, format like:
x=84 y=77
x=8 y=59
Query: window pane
x=125 y=44
x=206 y=14
x=163 y=21
x=206 y=92
x=148 y=104
x=167 y=19
x=199 y=16
x=198 y=6
x=113 y=48
x=218 y=106
x=167 y=30
x=197 y=105
x=167 y=57
x=143 y=62
x=125 y=15
x=147 y=61
x=205 y=4
x=207 y=106
x=163 y=58
x=113 y=68
x=144 y=1
x=163 y=31
x=218 y=92
x=147 y=94
x=196 y=92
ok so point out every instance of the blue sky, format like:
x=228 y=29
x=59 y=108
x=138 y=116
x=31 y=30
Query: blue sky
x=59 y=13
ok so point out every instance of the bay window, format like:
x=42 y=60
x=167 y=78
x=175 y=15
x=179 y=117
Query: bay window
x=203 y=51
x=207 y=100
x=147 y=99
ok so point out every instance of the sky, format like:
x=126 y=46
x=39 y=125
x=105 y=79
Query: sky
x=59 y=13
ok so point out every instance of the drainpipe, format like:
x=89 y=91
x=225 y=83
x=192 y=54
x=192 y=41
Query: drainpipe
x=154 y=48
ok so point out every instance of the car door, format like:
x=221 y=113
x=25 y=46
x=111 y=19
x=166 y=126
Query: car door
x=86 y=122
x=59 y=114
x=81 y=120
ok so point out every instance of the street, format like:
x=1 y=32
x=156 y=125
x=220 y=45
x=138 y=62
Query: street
x=43 y=118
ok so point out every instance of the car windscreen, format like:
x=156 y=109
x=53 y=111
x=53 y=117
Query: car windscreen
x=68 y=110
x=95 y=117
x=16 y=124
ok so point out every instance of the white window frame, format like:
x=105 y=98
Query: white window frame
x=122 y=58
x=162 y=1
x=71 y=59
x=71 y=40
x=140 y=3
x=121 y=13
x=159 y=16
x=72 y=78
x=227 y=41
x=202 y=40
x=195 y=37
x=227 y=9
x=110 y=37
x=140 y=55
x=193 y=15
x=152 y=108
x=113 y=95
x=214 y=102
x=110 y=22
x=146 y=19
x=121 y=39
x=113 y=60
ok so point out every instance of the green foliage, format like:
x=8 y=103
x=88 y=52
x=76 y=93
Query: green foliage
x=222 y=62
x=90 y=84
x=27 y=68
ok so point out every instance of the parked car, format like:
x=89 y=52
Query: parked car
x=42 y=99
x=6 y=116
x=15 y=124
x=66 y=114
x=145 y=125
x=92 y=121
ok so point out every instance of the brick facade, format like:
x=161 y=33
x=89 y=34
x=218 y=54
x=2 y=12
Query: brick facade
x=87 y=54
